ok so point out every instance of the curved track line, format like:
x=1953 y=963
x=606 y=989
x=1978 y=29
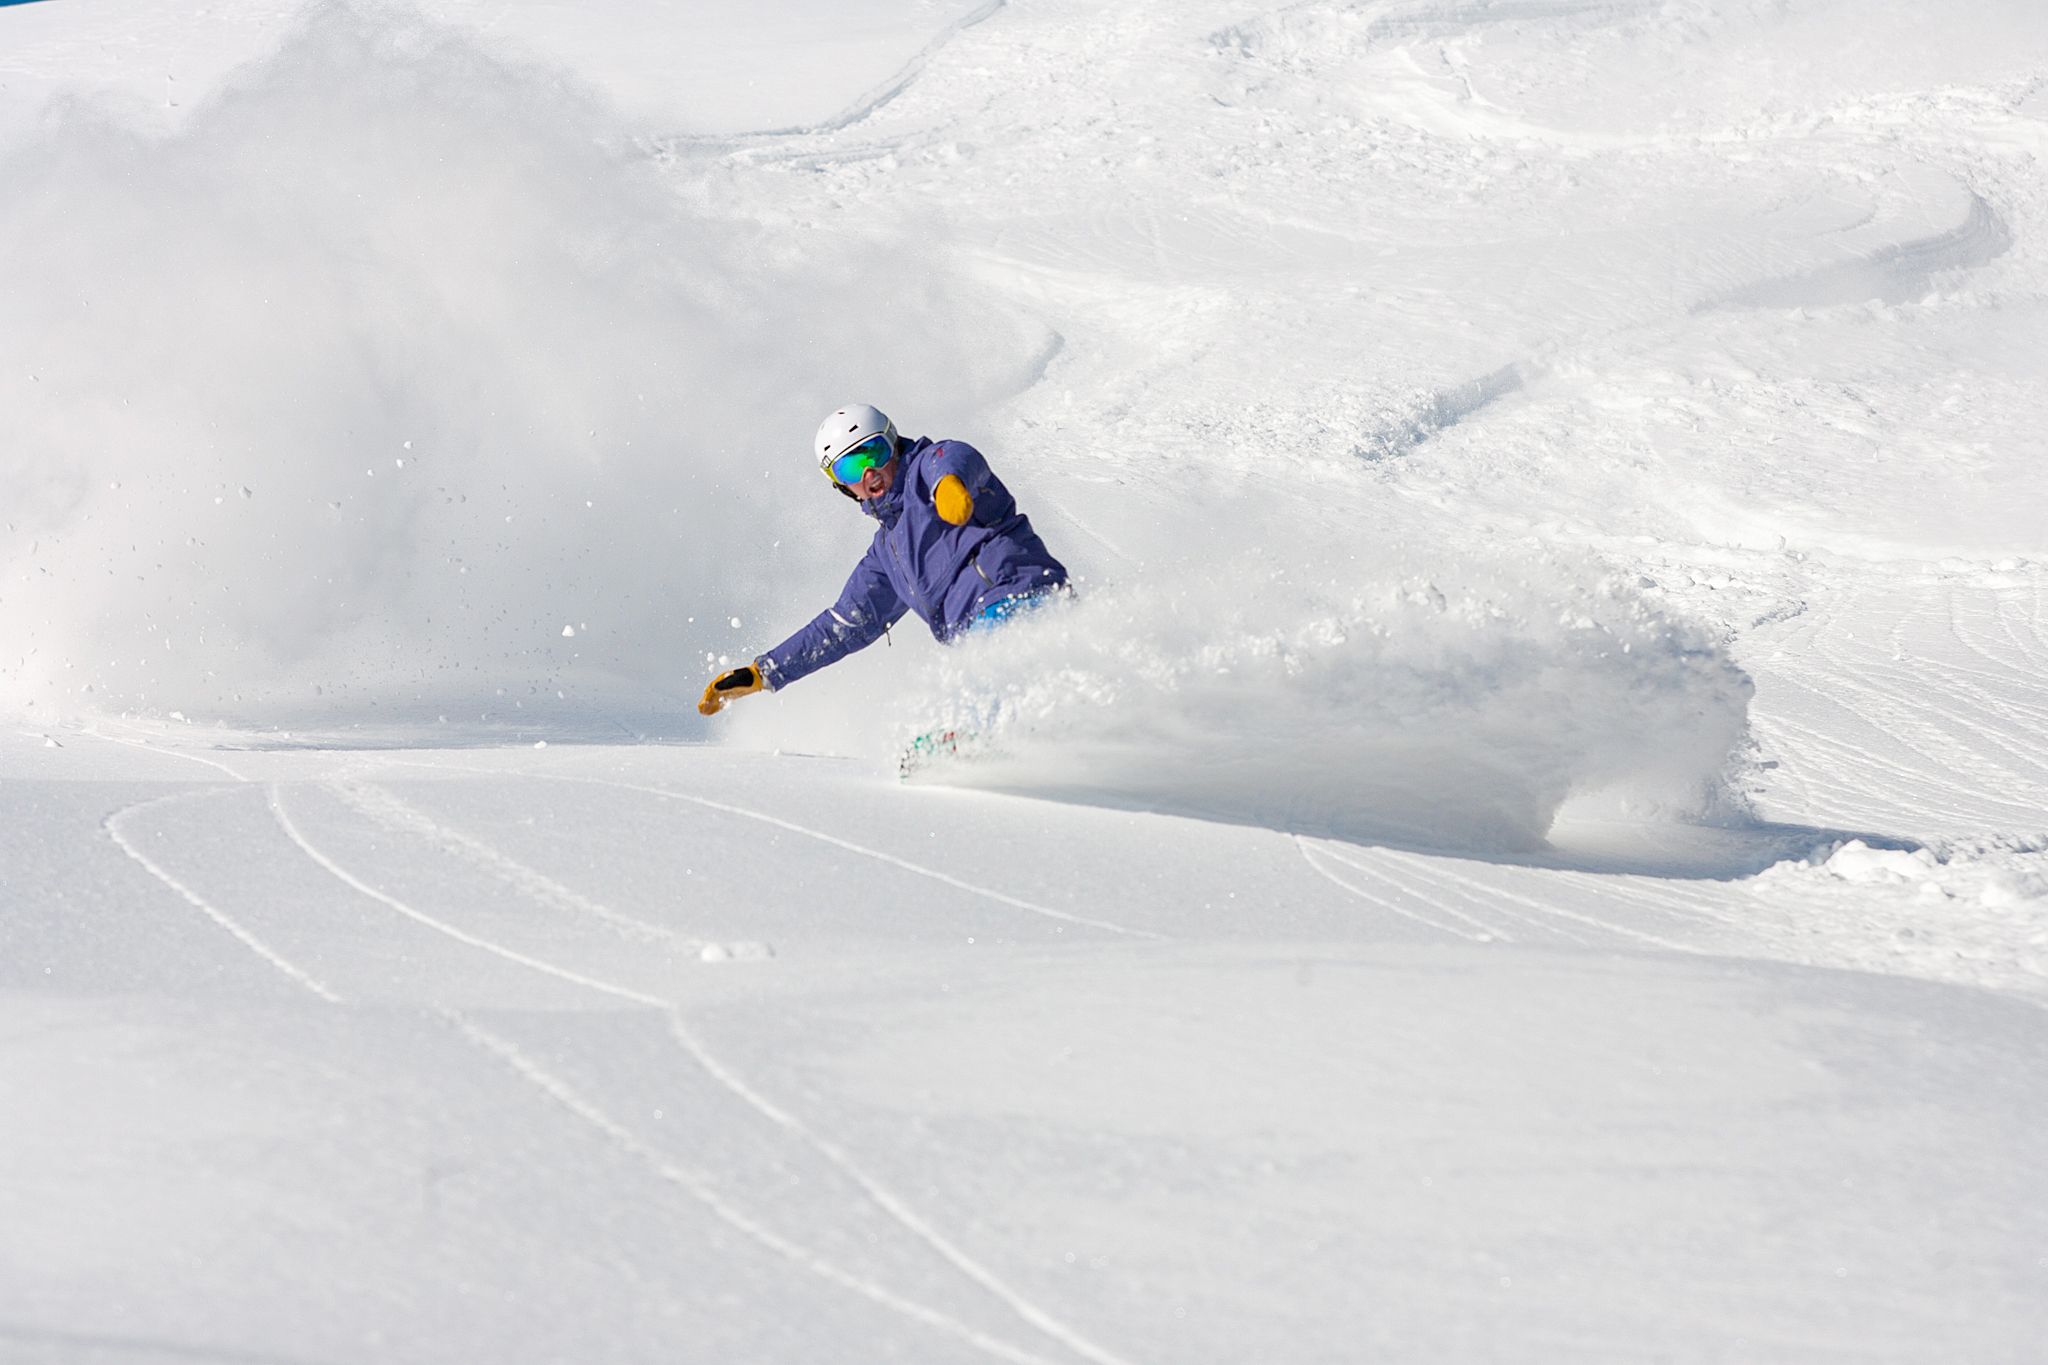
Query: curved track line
x=1956 y=681
x=1542 y=908
x=871 y=103
x=149 y=747
x=1474 y=895
x=1636 y=892
x=2029 y=648
x=1888 y=722
x=1927 y=708
x=1401 y=888
x=112 y=825
x=888 y=1202
x=997 y=896
x=705 y=1193
x=689 y=1180
x=2004 y=668
x=1308 y=855
x=1471 y=891
x=862 y=108
x=540 y=965
x=1918 y=785
x=1893 y=272
x=393 y=813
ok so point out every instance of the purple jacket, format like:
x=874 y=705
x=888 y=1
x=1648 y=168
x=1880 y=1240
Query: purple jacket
x=920 y=562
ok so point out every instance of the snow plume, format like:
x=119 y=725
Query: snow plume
x=1456 y=707
x=391 y=380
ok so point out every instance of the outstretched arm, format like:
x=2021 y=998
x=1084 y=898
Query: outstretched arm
x=867 y=606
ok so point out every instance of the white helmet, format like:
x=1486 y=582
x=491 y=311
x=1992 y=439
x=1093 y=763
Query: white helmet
x=847 y=428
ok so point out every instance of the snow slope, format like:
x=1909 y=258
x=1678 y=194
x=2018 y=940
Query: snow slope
x=411 y=1054
x=1529 y=845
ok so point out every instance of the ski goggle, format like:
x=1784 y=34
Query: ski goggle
x=849 y=466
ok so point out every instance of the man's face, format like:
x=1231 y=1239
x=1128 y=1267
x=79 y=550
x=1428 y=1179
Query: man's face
x=875 y=482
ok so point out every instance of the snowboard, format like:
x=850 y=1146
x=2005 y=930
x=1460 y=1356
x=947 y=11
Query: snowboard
x=934 y=749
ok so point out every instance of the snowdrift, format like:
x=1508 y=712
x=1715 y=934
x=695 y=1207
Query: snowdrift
x=396 y=377
x=1431 y=700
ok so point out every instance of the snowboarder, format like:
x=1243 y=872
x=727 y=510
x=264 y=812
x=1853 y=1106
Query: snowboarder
x=951 y=546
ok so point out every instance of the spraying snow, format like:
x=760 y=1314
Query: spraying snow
x=389 y=362
x=1430 y=700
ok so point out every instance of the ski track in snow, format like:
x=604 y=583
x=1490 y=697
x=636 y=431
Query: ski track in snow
x=1441 y=895
x=701 y=1187
x=697 y=1183
x=1000 y=897
x=1434 y=881
x=142 y=741
x=862 y=108
x=1928 y=760
x=242 y=935
x=1894 y=272
x=833 y=840
x=394 y=814
x=889 y=1202
x=1479 y=932
x=1556 y=911
x=440 y=926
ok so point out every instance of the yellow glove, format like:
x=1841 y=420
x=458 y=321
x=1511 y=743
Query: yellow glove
x=952 y=501
x=743 y=681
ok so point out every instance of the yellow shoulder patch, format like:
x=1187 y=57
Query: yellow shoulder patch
x=952 y=501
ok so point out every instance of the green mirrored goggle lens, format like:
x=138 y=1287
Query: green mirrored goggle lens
x=872 y=453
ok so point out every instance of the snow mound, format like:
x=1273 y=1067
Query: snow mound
x=2000 y=871
x=1967 y=909
x=395 y=358
x=1856 y=861
x=1454 y=708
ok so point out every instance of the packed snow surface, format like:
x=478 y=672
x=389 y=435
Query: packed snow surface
x=1530 y=841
